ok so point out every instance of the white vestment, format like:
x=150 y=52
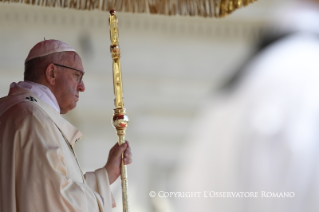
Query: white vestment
x=39 y=169
x=262 y=137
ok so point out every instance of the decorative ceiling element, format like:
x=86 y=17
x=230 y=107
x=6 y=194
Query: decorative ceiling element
x=203 y=8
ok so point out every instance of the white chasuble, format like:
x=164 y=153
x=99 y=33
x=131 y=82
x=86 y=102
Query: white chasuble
x=39 y=169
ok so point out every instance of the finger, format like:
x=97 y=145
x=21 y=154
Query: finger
x=119 y=150
x=114 y=146
x=127 y=161
x=127 y=155
x=126 y=141
x=128 y=152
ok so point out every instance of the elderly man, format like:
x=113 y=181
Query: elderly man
x=39 y=169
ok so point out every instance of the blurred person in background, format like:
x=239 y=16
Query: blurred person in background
x=38 y=166
x=260 y=132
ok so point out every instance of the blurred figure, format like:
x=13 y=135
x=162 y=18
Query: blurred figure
x=261 y=131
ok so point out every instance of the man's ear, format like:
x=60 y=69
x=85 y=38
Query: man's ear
x=50 y=74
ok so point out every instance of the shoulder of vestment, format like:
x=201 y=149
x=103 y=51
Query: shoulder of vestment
x=24 y=103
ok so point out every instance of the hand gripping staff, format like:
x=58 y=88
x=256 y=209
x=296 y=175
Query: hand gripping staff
x=120 y=119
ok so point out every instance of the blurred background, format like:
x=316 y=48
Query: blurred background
x=171 y=67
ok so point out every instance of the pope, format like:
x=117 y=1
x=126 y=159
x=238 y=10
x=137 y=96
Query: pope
x=38 y=165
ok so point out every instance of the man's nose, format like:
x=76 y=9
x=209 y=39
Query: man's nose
x=81 y=86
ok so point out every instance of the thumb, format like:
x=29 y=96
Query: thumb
x=119 y=149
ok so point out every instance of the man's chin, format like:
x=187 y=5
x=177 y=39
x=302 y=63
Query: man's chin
x=66 y=110
x=73 y=106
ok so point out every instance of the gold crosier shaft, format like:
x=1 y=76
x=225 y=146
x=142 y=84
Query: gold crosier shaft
x=120 y=119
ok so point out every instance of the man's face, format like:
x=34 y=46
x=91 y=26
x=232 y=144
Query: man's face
x=67 y=84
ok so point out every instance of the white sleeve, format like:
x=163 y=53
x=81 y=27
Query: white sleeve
x=99 y=182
